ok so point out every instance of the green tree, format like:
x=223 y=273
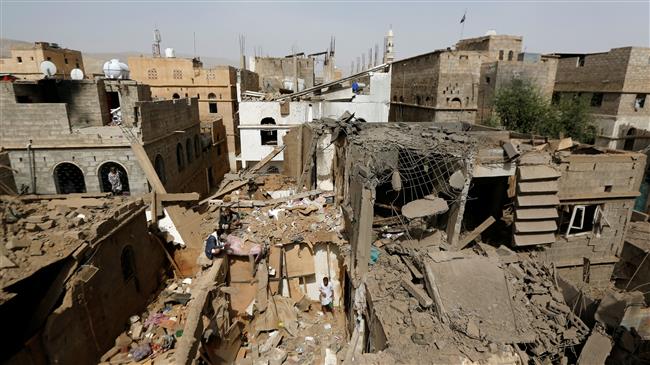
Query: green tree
x=521 y=107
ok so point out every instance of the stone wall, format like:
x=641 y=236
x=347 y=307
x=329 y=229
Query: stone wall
x=87 y=104
x=89 y=160
x=598 y=72
x=96 y=307
x=273 y=71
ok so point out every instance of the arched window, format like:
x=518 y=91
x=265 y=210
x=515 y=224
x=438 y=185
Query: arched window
x=456 y=103
x=180 y=162
x=510 y=55
x=127 y=260
x=501 y=54
x=68 y=179
x=176 y=96
x=269 y=136
x=188 y=150
x=212 y=104
x=197 y=146
x=105 y=169
x=159 y=165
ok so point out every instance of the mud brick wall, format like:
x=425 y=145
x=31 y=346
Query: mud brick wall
x=584 y=174
x=95 y=308
x=610 y=67
x=159 y=118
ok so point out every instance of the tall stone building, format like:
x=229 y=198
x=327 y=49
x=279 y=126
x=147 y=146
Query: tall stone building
x=25 y=62
x=64 y=136
x=617 y=83
x=214 y=88
x=451 y=85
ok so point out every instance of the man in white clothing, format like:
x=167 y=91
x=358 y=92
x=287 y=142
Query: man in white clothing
x=327 y=296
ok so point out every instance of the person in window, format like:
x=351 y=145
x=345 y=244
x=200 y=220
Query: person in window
x=115 y=178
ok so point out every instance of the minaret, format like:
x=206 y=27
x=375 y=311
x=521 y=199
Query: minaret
x=389 y=51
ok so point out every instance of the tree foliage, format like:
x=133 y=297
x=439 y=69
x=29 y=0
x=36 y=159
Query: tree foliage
x=521 y=107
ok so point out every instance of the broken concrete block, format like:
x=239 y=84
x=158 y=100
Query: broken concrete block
x=6 y=263
x=45 y=225
x=35 y=248
x=16 y=243
x=424 y=208
x=457 y=180
x=36 y=218
x=31 y=227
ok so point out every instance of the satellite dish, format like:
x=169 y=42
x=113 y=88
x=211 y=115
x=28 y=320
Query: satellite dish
x=77 y=74
x=48 y=69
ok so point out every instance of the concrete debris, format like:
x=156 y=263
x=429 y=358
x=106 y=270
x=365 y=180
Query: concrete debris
x=424 y=208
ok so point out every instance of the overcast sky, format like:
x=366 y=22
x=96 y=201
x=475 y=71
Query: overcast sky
x=113 y=26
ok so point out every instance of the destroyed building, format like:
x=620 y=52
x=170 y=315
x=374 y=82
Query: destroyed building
x=422 y=193
x=457 y=85
x=277 y=73
x=64 y=136
x=444 y=243
x=216 y=88
x=25 y=61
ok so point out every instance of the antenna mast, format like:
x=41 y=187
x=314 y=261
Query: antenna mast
x=155 y=46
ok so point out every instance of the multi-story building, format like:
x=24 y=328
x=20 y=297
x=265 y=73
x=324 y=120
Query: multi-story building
x=453 y=85
x=214 y=88
x=64 y=136
x=25 y=62
x=617 y=84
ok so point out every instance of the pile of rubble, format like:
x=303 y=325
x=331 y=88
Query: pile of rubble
x=37 y=232
x=156 y=330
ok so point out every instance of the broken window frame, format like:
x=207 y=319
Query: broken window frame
x=598 y=220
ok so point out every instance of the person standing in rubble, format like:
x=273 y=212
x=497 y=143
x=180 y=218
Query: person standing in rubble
x=115 y=178
x=327 y=296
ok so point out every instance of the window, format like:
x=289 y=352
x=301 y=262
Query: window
x=212 y=104
x=177 y=74
x=510 y=55
x=401 y=99
x=501 y=55
x=639 y=102
x=159 y=165
x=19 y=59
x=596 y=99
x=176 y=96
x=487 y=79
x=463 y=59
x=581 y=61
x=31 y=58
x=180 y=157
x=188 y=150
x=269 y=137
x=77 y=65
x=152 y=74
x=49 y=58
x=581 y=219
x=65 y=60
x=127 y=260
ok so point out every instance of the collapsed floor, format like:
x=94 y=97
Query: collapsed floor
x=436 y=283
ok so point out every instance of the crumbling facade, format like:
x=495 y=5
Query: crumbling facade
x=216 y=90
x=277 y=73
x=25 y=62
x=616 y=84
x=64 y=136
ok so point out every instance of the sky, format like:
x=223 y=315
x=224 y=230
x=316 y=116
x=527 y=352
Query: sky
x=278 y=26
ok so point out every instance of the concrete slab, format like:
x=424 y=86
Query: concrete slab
x=536 y=213
x=538 y=172
x=537 y=200
x=535 y=226
x=533 y=239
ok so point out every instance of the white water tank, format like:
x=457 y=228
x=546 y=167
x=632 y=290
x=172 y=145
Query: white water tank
x=169 y=53
x=116 y=70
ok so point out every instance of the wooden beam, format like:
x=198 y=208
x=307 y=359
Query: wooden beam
x=178 y=197
x=419 y=293
x=476 y=232
x=266 y=159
